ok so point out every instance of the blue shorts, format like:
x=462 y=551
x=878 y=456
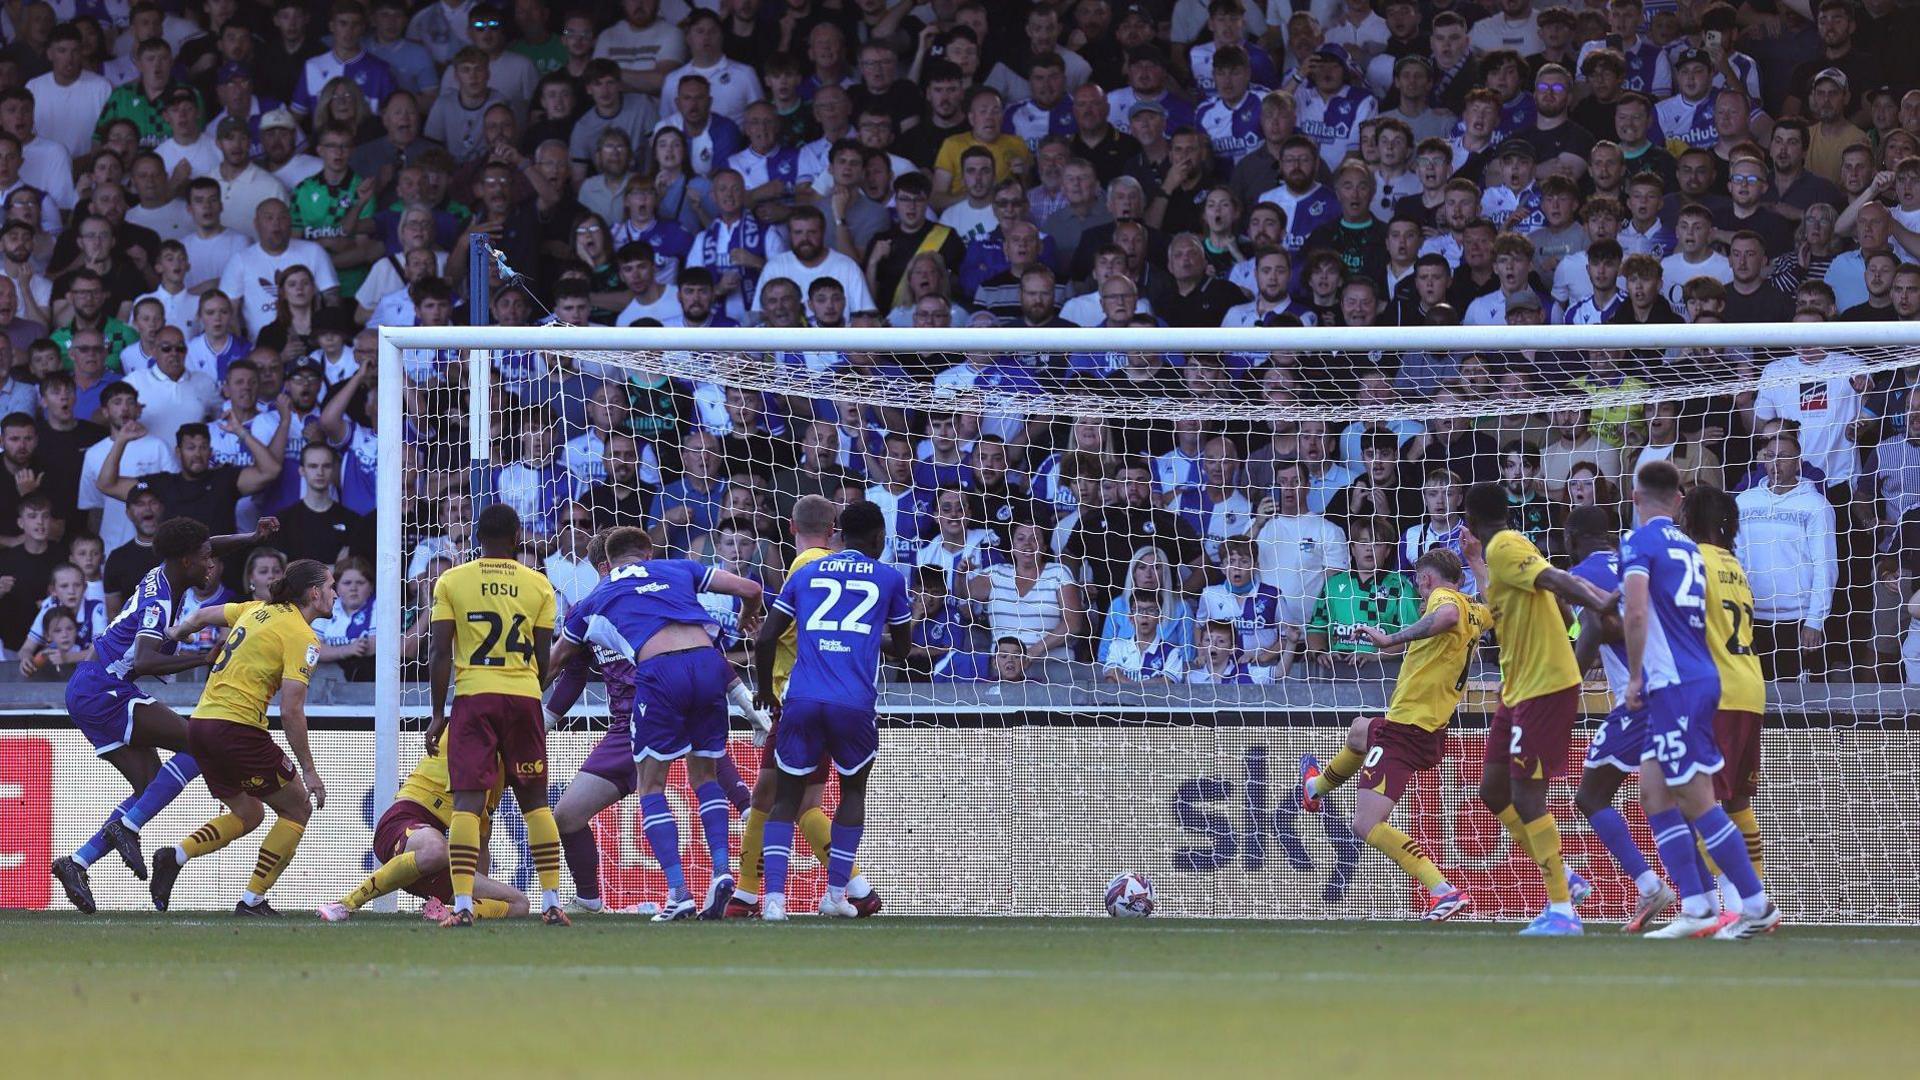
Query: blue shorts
x=810 y=729
x=1680 y=731
x=1619 y=741
x=680 y=705
x=101 y=706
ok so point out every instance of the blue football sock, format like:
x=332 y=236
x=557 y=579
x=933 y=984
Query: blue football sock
x=173 y=778
x=775 y=851
x=1611 y=828
x=1729 y=849
x=97 y=844
x=846 y=841
x=1675 y=841
x=663 y=836
x=713 y=823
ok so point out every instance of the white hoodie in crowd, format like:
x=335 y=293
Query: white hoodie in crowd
x=1786 y=543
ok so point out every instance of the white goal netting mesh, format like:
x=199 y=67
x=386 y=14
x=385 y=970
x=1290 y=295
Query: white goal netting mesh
x=1140 y=584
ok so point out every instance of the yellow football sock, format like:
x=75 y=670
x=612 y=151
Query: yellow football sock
x=1406 y=851
x=463 y=852
x=818 y=828
x=753 y=833
x=490 y=909
x=543 y=843
x=1750 y=828
x=214 y=835
x=276 y=851
x=1544 y=845
x=396 y=873
x=1511 y=819
x=1341 y=769
x=1712 y=867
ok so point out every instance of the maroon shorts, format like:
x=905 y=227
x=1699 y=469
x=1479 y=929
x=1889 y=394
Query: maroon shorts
x=1532 y=739
x=817 y=776
x=237 y=759
x=488 y=731
x=1397 y=751
x=1738 y=734
x=390 y=839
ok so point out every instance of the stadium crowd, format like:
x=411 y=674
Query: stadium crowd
x=211 y=205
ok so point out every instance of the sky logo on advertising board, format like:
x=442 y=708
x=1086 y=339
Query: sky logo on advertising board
x=26 y=822
x=1248 y=821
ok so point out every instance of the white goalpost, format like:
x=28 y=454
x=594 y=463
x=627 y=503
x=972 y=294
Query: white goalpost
x=1147 y=555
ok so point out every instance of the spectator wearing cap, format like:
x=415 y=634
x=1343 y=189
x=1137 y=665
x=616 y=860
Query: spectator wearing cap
x=1511 y=199
x=136 y=452
x=233 y=89
x=1830 y=133
x=1327 y=108
x=1147 y=81
x=69 y=98
x=130 y=560
x=282 y=148
x=170 y=393
x=1836 y=24
x=1688 y=115
x=251 y=277
x=143 y=101
x=189 y=150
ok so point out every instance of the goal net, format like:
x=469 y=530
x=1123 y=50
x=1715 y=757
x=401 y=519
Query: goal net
x=1144 y=565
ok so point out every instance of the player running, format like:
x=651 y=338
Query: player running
x=1712 y=518
x=1412 y=737
x=1672 y=676
x=411 y=842
x=837 y=603
x=813 y=526
x=125 y=725
x=1532 y=729
x=1613 y=754
x=649 y=613
x=609 y=774
x=270 y=648
x=492 y=621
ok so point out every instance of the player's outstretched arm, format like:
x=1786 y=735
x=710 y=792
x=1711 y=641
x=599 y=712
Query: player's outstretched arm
x=210 y=616
x=1574 y=590
x=149 y=660
x=1433 y=623
x=230 y=543
x=747 y=589
x=562 y=660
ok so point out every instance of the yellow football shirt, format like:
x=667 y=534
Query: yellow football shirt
x=1730 y=632
x=495 y=605
x=1435 y=670
x=1008 y=152
x=789 y=648
x=266 y=644
x=429 y=786
x=1536 y=658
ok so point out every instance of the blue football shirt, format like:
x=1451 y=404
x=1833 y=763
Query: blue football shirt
x=838 y=605
x=1677 y=604
x=637 y=601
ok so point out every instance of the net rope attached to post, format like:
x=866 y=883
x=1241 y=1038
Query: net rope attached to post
x=1141 y=580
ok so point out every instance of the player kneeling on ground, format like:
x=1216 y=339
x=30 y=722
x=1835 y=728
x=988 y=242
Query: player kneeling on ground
x=829 y=708
x=411 y=838
x=1388 y=750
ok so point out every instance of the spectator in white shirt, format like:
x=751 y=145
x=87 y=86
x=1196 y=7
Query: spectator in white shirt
x=143 y=454
x=170 y=394
x=250 y=278
x=68 y=98
x=810 y=258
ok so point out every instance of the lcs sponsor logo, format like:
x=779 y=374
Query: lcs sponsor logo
x=1247 y=821
x=530 y=768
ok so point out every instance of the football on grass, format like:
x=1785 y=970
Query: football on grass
x=1130 y=896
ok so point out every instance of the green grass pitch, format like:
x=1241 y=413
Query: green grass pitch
x=209 y=996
